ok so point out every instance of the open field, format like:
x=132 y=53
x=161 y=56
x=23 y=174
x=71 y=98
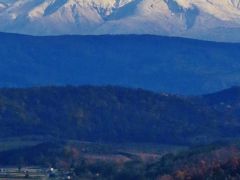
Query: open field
x=36 y=157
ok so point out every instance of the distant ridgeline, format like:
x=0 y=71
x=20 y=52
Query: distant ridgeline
x=156 y=63
x=115 y=114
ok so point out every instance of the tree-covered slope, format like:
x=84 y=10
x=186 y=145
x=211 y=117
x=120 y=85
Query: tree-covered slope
x=114 y=114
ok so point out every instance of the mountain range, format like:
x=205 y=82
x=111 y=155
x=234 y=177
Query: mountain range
x=203 y=19
x=174 y=65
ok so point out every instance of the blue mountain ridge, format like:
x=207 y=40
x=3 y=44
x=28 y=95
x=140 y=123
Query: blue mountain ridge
x=166 y=64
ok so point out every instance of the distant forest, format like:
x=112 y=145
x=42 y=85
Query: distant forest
x=116 y=114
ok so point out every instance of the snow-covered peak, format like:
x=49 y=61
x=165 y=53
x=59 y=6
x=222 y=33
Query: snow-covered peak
x=235 y=3
x=189 y=18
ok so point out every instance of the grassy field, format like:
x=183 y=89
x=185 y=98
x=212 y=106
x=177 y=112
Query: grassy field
x=20 y=142
x=91 y=153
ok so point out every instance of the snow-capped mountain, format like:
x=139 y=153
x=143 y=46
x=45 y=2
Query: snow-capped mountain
x=204 y=19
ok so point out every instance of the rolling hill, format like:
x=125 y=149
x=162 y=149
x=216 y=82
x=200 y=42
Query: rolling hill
x=115 y=114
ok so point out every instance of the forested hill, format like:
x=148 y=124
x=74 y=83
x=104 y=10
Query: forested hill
x=176 y=65
x=116 y=114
